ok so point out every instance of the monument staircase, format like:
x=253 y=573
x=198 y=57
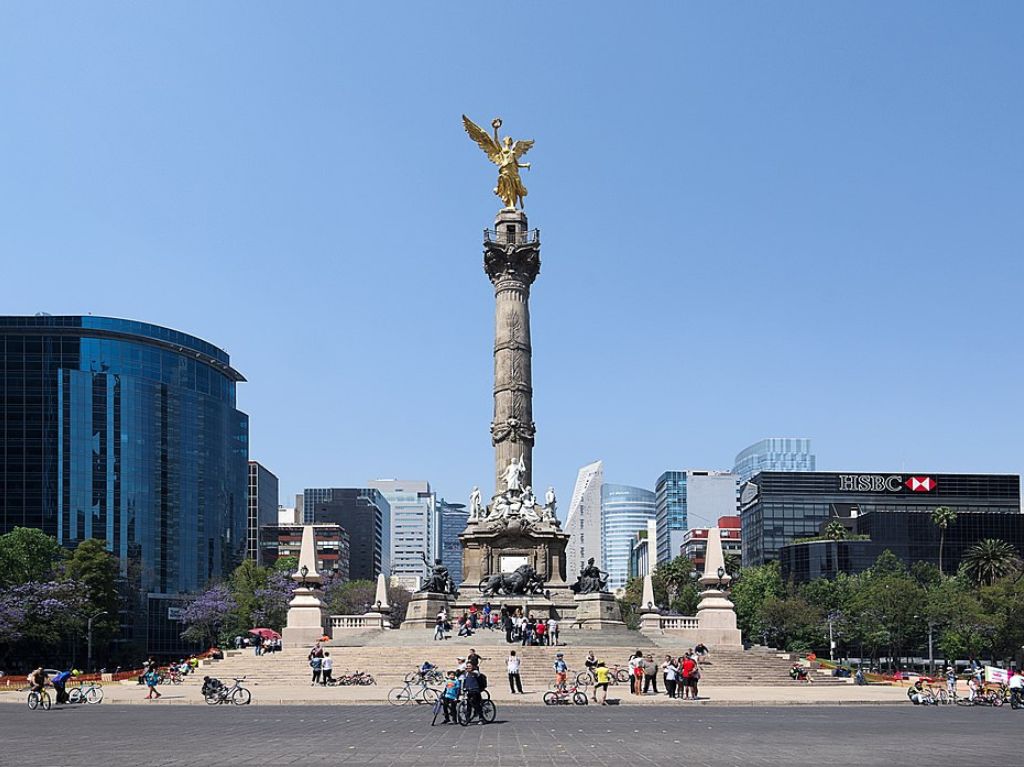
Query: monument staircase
x=390 y=655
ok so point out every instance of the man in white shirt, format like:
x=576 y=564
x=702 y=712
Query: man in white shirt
x=553 y=632
x=515 y=684
x=327 y=668
x=1016 y=685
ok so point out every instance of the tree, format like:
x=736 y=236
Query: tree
x=207 y=614
x=888 y=603
x=287 y=564
x=835 y=530
x=754 y=586
x=38 y=617
x=942 y=518
x=27 y=554
x=349 y=597
x=790 y=623
x=96 y=568
x=990 y=559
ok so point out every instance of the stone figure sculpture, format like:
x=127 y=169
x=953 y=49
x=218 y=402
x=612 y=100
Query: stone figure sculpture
x=592 y=579
x=504 y=153
x=523 y=580
x=514 y=474
x=549 y=499
x=475 y=507
x=440 y=581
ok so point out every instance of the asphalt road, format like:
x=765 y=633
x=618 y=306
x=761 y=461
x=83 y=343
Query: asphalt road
x=157 y=736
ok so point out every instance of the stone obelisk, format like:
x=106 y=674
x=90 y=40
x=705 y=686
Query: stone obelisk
x=512 y=261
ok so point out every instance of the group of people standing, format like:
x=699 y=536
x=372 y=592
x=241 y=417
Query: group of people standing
x=529 y=630
x=322 y=665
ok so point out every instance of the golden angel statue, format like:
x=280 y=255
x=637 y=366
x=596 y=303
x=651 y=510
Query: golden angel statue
x=504 y=153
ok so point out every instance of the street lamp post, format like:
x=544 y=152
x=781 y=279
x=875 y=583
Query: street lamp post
x=88 y=664
x=931 y=654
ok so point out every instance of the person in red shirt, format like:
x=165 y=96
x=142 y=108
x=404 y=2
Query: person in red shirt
x=541 y=632
x=689 y=666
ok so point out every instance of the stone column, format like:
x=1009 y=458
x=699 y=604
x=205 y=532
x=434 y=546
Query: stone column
x=512 y=261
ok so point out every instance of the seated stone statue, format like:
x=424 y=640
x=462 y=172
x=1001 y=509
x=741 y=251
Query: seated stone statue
x=591 y=579
x=439 y=582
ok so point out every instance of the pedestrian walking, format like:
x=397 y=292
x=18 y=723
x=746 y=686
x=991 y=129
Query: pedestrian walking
x=152 y=678
x=515 y=683
x=439 y=626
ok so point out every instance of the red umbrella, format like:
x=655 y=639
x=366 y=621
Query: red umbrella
x=265 y=633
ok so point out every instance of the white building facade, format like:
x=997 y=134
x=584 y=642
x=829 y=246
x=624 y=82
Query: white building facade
x=584 y=519
x=414 y=528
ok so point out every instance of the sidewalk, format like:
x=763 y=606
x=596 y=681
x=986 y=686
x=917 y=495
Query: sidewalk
x=277 y=694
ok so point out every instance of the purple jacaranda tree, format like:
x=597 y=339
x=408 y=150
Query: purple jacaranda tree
x=272 y=602
x=207 y=614
x=37 y=617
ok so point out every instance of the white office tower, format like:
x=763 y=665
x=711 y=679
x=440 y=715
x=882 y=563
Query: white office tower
x=584 y=520
x=413 y=527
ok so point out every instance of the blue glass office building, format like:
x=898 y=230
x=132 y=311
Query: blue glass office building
x=774 y=454
x=127 y=432
x=624 y=511
x=670 y=512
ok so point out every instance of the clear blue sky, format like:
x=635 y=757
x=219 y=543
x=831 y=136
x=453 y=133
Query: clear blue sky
x=758 y=219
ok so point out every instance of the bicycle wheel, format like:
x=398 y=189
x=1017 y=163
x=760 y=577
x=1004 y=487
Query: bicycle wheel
x=366 y=680
x=943 y=697
x=622 y=676
x=584 y=679
x=997 y=700
x=398 y=696
x=44 y=700
x=33 y=700
x=463 y=713
x=241 y=697
x=489 y=710
x=430 y=695
x=964 y=702
x=579 y=698
x=550 y=698
x=75 y=695
x=212 y=699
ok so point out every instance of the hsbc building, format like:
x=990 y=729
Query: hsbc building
x=778 y=507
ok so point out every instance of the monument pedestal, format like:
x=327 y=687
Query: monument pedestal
x=597 y=610
x=305 y=619
x=423 y=609
x=716 y=617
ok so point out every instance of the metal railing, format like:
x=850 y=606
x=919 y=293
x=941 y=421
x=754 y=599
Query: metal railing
x=505 y=237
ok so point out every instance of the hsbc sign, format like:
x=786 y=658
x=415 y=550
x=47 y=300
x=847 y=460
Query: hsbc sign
x=885 y=483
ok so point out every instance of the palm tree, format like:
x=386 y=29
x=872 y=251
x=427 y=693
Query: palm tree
x=942 y=518
x=990 y=559
x=835 y=530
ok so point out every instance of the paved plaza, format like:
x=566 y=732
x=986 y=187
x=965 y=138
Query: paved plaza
x=156 y=735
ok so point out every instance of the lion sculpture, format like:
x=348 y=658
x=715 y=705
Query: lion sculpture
x=523 y=580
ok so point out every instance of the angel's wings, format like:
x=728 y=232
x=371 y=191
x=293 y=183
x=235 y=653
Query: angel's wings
x=483 y=139
x=521 y=147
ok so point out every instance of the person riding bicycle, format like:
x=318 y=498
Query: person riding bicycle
x=37 y=680
x=425 y=668
x=60 y=684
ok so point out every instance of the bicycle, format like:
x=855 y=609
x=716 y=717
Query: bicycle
x=982 y=698
x=569 y=695
x=465 y=714
x=616 y=675
x=399 y=696
x=434 y=676
x=82 y=694
x=235 y=694
x=358 y=678
x=40 y=700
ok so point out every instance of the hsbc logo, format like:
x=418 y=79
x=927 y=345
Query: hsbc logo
x=885 y=483
x=871 y=483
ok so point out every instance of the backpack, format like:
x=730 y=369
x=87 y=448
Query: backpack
x=481 y=680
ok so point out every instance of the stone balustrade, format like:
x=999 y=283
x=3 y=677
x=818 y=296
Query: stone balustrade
x=358 y=622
